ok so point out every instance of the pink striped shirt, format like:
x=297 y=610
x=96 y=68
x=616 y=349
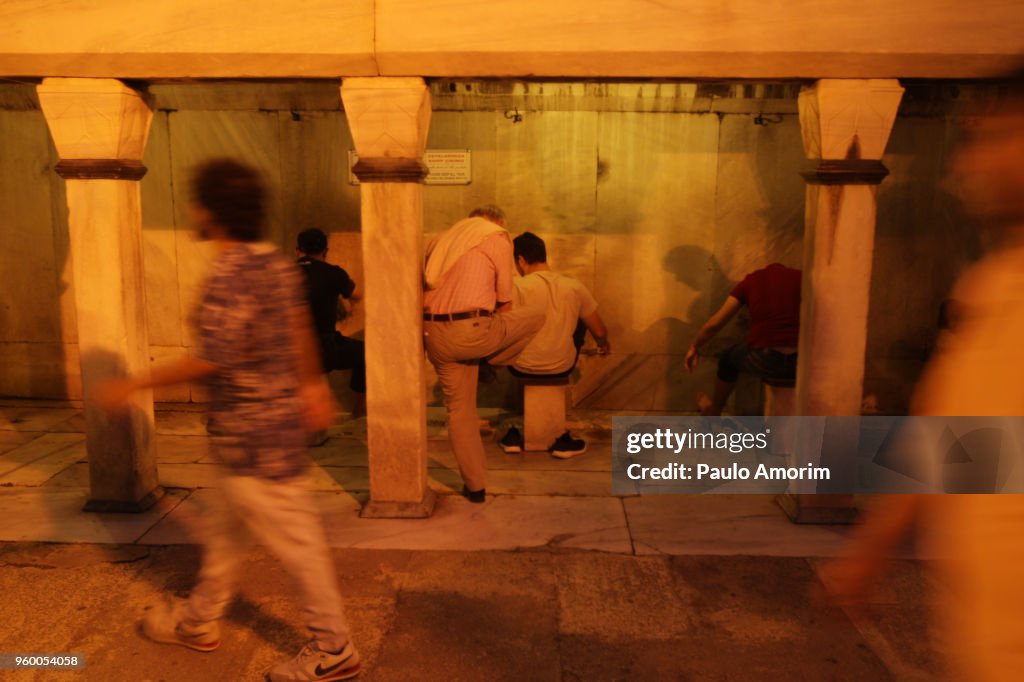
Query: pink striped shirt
x=479 y=280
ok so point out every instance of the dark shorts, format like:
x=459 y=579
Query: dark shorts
x=342 y=352
x=770 y=366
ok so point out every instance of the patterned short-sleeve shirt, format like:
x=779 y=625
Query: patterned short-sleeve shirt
x=245 y=328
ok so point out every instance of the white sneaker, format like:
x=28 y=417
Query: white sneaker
x=314 y=664
x=164 y=623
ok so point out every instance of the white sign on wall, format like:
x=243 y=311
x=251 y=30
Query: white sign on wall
x=445 y=167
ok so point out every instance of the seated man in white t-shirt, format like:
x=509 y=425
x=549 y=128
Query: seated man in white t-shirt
x=570 y=312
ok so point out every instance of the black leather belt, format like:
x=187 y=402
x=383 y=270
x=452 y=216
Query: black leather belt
x=452 y=317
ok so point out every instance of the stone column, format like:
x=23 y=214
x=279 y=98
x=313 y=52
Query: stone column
x=845 y=126
x=389 y=119
x=99 y=127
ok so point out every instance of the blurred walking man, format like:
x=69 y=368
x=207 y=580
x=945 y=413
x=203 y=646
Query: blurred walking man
x=977 y=372
x=258 y=356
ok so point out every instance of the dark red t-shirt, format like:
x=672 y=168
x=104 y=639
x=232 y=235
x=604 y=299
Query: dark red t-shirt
x=772 y=294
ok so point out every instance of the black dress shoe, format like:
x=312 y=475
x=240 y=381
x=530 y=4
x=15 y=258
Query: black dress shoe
x=474 y=496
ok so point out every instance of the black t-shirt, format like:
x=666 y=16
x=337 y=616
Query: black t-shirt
x=325 y=283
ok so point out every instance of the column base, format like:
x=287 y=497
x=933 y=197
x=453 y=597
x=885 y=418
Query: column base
x=377 y=509
x=125 y=506
x=818 y=509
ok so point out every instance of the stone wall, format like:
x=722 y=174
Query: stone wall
x=657 y=196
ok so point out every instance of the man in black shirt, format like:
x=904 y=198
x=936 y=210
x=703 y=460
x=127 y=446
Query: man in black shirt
x=325 y=284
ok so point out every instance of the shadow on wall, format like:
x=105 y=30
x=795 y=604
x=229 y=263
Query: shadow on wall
x=923 y=241
x=659 y=381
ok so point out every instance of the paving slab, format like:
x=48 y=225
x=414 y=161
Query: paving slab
x=55 y=515
x=74 y=424
x=724 y=524
x=468 y=617
x=38 y=448
x=901 y=599
x=597 y=458
x=184 y=524
x=549 y=614
x=35 y=418
x=41 y=470
x=531 y=482
x=503 y=522
x=10 y=440
x=346 y=452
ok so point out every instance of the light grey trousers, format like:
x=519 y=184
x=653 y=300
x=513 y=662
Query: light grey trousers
x=454 y=348
x=282 y=517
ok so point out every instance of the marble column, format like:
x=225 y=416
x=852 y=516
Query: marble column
x=99 y=127
x=845 y=126
x=389 y=119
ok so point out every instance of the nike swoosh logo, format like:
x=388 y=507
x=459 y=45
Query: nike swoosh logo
x=320 y=672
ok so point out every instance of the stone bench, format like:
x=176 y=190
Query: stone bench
x=779 y=401
x=544 y=403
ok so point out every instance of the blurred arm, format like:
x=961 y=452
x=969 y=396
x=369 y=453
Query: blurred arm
x=114 y=394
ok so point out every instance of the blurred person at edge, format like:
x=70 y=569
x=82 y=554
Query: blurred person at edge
x=258 y=356
x=978 y=371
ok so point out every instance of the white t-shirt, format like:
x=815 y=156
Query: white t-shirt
x=565 y=300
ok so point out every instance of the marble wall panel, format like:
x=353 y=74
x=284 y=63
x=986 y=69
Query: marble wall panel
x=315 y=189
x=653 y=253
x=759 y=209
x=165 y=355
x=760 y=196
x=923 y=241
x=655 y=226
x=345 y=250
x=159 y=241
x=40 y=370
x=657 y=213
x=477 y=131
x=195 y=137
x=31 y=310
x=547 y=173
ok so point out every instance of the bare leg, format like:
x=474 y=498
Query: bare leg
x=712 y=407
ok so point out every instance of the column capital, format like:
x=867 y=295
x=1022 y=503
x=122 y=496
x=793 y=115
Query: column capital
x=388 y=117
x=96 y=120
x=848 y=119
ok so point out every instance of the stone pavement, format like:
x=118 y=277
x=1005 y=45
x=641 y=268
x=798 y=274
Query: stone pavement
x=553 y=578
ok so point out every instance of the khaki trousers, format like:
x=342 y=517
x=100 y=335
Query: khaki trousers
x=455 y=349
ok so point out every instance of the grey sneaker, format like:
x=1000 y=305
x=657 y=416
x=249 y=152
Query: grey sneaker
x=164 y=623
x=314 y=664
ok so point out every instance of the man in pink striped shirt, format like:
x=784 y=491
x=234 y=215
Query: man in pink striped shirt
x=468 y=316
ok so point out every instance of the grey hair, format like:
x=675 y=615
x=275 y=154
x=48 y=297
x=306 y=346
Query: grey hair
x=492 y=212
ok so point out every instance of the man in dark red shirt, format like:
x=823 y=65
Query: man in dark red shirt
x=772 y=294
